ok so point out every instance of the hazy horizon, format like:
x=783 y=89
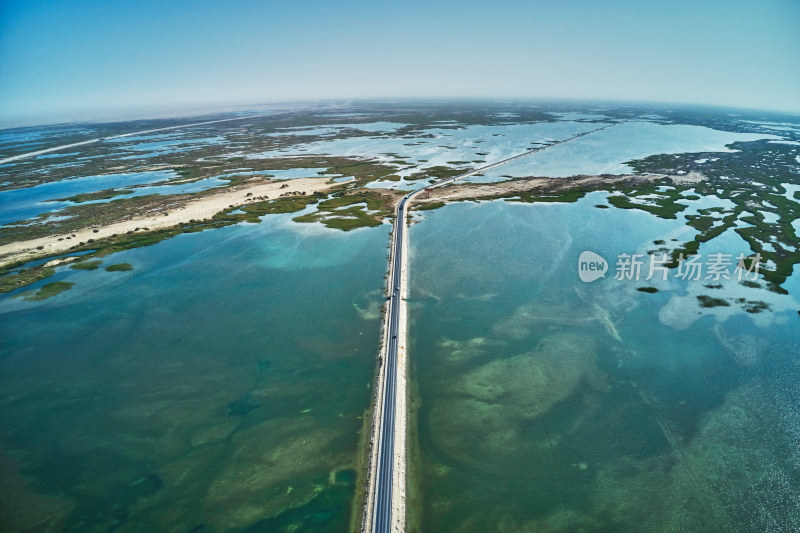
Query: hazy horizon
x=69 y=61
x=209 y=111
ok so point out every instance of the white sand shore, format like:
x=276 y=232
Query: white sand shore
x=544 y=186
x=199 y=208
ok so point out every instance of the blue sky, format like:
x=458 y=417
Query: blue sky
x=67 y=59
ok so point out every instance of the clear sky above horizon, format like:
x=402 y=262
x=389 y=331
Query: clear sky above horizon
x=67 y=59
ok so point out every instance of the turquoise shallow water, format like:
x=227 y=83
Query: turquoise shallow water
x=219 y=385
x=549 y=404
x=20 y=204
x=608 y=151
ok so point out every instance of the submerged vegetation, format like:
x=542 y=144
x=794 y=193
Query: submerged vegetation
x=89 y=397
x=47 y=291
x=646 y=413
x=524 y=406
x=343 y=211
x=710 y=301
x=119 y=267
x=351 y=210
x=650 y=290
x=429 y=206
x=86 y=265
x=752 y=178
x=659 y=200
x=16 y=276
x=744 y=176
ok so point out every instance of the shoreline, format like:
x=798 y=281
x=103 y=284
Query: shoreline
x=542 y=186
x=368 y=502
x=173 y=213
x=182 y=212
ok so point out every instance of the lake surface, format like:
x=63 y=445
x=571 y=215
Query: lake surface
x=28 y=202
x=607 y=151
x=457 y=144
x=221 y=384
x=550 y=404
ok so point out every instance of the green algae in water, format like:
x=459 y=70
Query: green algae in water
x=328 y=510
x=86 y=265
x=640 y=427
x=710 y=301
x=242 y=406
x=141 y=391
x=119 y=267
x=47 y=291
x=348 y=477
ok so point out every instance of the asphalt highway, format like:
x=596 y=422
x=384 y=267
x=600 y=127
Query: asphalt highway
x=383 y=488
x=382 y=511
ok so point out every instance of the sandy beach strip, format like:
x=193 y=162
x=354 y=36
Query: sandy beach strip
x=200 y=208
x=544 y=186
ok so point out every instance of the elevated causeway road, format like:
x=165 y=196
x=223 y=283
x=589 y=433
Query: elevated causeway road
x=385 y=471
x=381 y=497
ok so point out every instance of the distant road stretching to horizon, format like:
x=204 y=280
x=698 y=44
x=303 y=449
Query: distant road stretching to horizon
x=381 y=485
